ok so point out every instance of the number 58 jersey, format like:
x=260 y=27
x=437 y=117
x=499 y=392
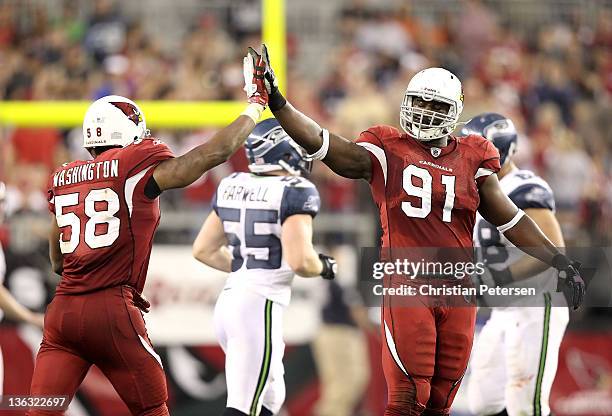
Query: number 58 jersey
x=105 y=219
x=253 y=209
x=427 y=196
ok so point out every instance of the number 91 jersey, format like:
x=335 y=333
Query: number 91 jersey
x=253 y=209
x=427 y=196
x=106 y=222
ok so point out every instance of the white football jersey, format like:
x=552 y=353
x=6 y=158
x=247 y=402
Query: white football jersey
x=253 y=209
x=526 y=190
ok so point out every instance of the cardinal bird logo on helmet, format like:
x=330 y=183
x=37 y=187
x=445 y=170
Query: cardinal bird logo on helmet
x=130 y=111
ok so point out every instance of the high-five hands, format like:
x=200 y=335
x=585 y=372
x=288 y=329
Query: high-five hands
x=254 y=82
x=276 y=99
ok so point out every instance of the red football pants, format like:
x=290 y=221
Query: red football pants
x=425 y=354
x=106 y=329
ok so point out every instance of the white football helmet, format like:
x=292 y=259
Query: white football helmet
x=113 y=121
x=431 y=84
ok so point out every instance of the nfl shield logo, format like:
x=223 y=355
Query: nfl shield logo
x=435 y=151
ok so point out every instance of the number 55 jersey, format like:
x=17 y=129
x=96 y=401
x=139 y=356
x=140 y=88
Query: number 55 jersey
x=427 y=196
x=106 y=221
x=253 y=209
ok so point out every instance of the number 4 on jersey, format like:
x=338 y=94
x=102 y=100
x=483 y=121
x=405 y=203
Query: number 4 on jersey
x=424 y=193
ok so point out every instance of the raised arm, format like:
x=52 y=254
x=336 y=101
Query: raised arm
x=342 y=155
x=184 y=170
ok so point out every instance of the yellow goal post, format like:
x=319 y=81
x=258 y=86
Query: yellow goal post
x=161 y=114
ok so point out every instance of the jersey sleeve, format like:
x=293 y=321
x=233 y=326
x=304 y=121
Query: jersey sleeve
x=489 y=164
x=533 y=196
x=141 y=159
x=213 y=202
x=371 y=140
x=299 y=200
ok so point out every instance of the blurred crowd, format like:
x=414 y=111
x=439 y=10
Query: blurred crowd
x=554 y=80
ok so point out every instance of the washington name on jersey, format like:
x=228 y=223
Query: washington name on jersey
x=253 y=209
x=106 y=222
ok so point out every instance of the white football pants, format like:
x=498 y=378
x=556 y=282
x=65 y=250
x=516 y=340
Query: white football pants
x=514 y=360
x=249 y=328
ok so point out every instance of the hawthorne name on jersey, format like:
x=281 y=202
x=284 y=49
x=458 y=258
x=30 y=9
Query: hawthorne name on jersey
x=88 y=172
x=241 y=193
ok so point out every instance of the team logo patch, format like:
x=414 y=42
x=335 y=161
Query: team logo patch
x=312 y=203
x=130 y=111
x=435 y=151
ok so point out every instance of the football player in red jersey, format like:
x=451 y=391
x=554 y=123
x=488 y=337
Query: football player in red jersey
x=428 y=186
x=104 y=214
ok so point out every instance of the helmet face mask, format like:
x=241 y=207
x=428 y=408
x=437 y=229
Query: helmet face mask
x=269 y=148
x=113 y=121
x=437 y=86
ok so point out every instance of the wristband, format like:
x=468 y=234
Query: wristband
x=276 y=101
x=503 y=228
x=322 y=152
x=253 y=110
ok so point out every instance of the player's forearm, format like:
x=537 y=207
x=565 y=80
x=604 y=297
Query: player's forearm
x=527 y=236
x=307 y=264
x=304 y=130
x=219 y=259
x=343 y=156
x=186 y=169
x=12 y=308
x=527 y=267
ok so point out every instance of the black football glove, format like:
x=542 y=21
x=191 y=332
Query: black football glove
x=276 y=100
x=569 y=280
x=330 y=267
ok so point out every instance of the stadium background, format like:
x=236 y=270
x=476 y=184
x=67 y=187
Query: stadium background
x=545 y=64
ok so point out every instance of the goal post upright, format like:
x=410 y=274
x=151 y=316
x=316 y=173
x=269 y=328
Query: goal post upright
x=160 y=113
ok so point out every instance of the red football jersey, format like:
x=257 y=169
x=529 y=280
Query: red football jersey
x=106 y=221
x=427 y=196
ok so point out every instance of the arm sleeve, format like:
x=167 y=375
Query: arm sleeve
x=299 y=200
x=489 y=164
x=533 y=196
